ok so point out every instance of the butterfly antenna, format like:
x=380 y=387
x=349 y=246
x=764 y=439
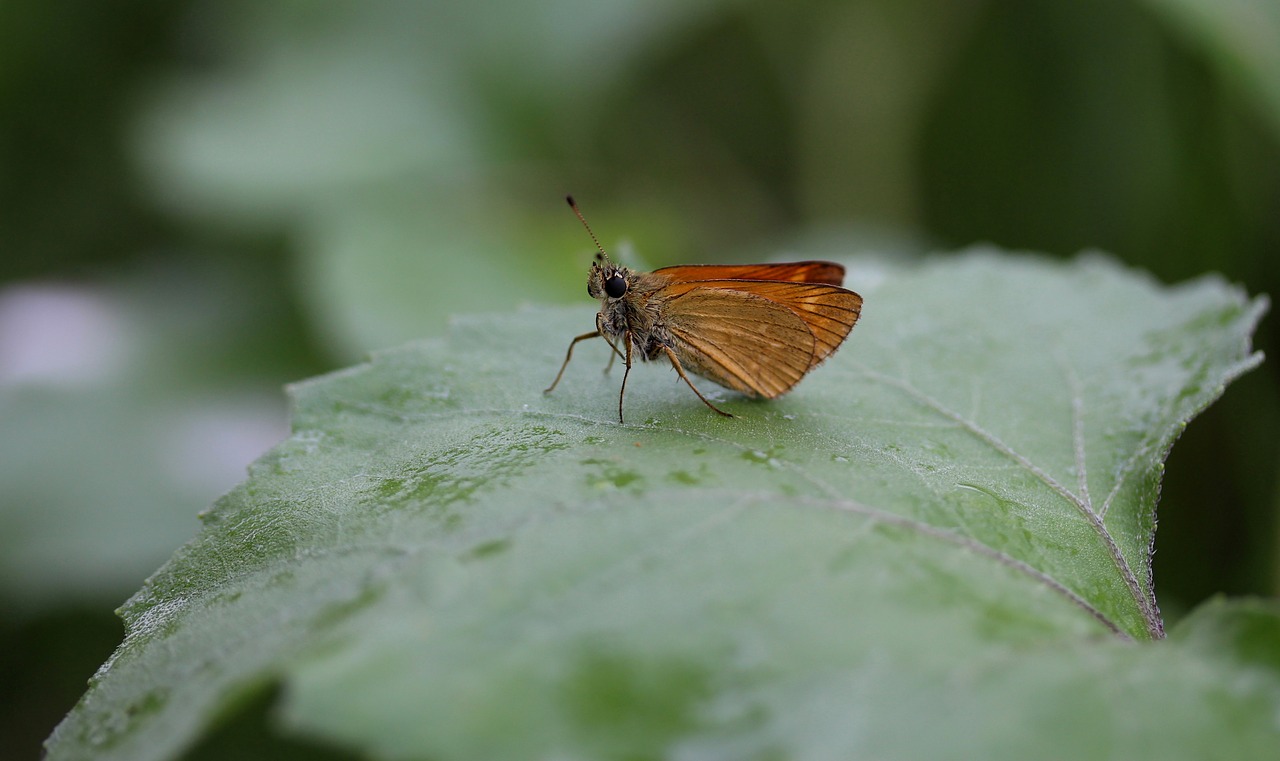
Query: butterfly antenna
x=574 y=205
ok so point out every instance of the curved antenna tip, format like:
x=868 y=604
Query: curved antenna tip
x=583 y=220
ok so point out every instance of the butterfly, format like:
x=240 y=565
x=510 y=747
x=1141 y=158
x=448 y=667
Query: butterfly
x=755 y=328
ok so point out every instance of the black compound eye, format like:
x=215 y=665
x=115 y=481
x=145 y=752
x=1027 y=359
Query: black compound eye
x=615 y=286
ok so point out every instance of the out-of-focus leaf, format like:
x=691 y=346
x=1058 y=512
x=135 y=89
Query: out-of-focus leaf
x=116 y=428
x=1242 y=37
x=327 y=95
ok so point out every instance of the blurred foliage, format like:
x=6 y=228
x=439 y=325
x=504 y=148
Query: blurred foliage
x=318 y=179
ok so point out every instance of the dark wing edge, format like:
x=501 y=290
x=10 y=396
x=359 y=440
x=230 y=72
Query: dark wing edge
x=792 y=272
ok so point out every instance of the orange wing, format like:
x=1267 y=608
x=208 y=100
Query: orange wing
x=794 y=272
x=755 y=336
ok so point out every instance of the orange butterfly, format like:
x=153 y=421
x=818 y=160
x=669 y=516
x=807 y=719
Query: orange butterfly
x=754 y=328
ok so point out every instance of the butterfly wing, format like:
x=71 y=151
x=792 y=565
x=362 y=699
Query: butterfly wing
x=754 y=336
x=739 y=340
x=795 y=272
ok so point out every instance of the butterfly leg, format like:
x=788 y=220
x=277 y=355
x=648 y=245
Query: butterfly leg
x=615 y=353
x=626 y=361
x=569 y=355
x=671 y=355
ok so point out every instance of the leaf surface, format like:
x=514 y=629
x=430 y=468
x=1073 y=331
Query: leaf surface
x=938 y=544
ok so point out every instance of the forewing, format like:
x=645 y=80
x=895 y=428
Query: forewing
x=795 y=272
x=739 y=340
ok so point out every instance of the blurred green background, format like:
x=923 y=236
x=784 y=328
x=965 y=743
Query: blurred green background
x=200 y=202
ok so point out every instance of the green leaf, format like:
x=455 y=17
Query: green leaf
x=938 y=545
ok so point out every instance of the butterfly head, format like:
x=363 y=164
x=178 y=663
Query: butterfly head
x=607 y=280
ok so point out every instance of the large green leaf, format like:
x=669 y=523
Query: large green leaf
x=938 y=545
